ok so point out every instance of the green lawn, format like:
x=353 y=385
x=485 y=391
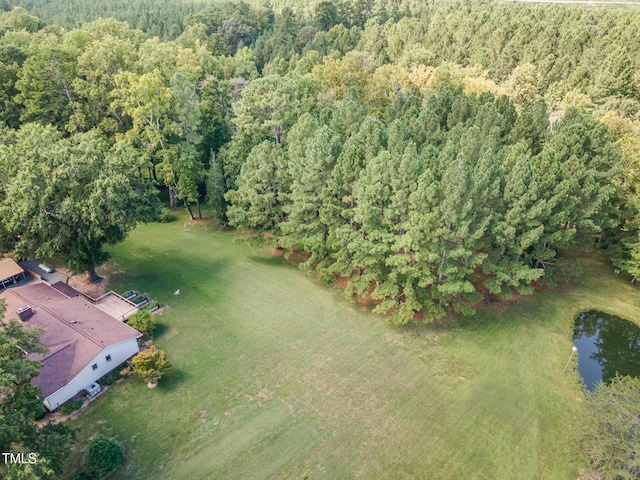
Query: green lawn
x=275 y=375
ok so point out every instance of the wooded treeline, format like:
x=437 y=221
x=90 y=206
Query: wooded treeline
x=434 y=205
x=435 y=155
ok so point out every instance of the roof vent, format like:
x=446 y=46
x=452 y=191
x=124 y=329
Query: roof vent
x=25 y=312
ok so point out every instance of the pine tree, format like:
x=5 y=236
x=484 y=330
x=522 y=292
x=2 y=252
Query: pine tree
x=359 y=149
x=309 y=216
x=517 y=228
x=398 y=288
x=263 y=186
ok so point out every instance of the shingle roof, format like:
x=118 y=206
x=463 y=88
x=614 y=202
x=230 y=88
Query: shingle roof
x=66 y=289
x=75 y=331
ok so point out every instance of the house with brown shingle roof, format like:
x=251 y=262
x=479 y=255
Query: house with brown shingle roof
x=84 y=342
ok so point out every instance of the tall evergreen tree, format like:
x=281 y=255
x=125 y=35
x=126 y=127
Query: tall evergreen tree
x=309 y=219
x=263 y=186
x=517 y=227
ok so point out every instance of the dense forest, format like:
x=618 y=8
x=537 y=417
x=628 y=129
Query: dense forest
x=429 y=156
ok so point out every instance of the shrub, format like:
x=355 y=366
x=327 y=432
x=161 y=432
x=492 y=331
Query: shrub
x=150 y=364
x=39 y=411
x=128 y=293
x=71 y=406
x=143 y=321
x=102 y=457
x=112 y=377
x=165 y=215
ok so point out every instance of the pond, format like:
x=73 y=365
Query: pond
x=606 y=344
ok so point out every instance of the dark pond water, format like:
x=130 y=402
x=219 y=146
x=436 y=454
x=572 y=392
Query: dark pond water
x=606 y=344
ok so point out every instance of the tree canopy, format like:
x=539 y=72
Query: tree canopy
x=434 y=156
x=70 y=197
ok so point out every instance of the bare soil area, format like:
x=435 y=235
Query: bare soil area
x=81 y=282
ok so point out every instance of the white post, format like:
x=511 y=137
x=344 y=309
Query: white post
x=574 y=349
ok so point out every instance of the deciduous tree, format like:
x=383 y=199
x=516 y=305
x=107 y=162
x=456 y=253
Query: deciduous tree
x=70 y=197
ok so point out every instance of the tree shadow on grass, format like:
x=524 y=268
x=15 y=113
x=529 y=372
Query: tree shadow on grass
x=173 y=379
x=160 y=330
x=271 y=261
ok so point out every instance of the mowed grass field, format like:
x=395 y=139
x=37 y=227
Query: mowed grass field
x=275 y=375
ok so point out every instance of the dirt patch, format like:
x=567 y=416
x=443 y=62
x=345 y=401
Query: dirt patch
x=276 y=252
x=342 y=282
x=538 y=287
x=497 y=303
x=298 y=256
x=81 y=282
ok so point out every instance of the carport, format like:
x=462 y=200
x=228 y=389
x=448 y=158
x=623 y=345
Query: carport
x=10 y=272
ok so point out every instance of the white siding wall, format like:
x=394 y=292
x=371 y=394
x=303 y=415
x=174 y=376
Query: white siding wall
x=120 y=352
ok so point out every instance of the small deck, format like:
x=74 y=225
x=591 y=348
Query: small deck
x=113 y=304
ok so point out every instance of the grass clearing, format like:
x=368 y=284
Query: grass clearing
x=276 y=376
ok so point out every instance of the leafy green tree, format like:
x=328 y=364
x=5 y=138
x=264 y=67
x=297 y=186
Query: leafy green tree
x=69 y=197
x=325 y=15
x=22 y=402
x=397 y=279
x=11 y=59
x=357 y=152
x=235 y=33
x=420 y=260
x=102 y=457
x=347 y=119
x=45 y=86
x=154 y=55
x=267 y=108
x=214 y=109
x=17 y=19
x=351 y=71
x=143 y=321
x=150 y=364
x=183 y=171
x=468 y=186
x=532 y=126
x=147 y=102
x=96 y=69
x=523 y=84
x=27 y=471
x=590 y=161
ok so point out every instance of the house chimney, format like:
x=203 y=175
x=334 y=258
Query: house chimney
x=25 y=312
